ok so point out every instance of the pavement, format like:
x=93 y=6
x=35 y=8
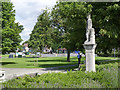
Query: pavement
x=11 y=73
x=16 y=72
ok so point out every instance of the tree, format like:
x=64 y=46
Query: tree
x=10 y=30
x=66 y=26
x=72 y=18
x=73 y=15
x=45 y=32
x=0 y=27
x=106 y=22
x=40 y=36
x=57 y=29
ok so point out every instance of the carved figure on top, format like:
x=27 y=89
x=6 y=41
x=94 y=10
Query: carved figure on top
x=89 y=31
x=89 y=22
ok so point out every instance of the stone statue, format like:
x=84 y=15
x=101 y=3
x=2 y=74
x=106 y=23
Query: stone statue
x=89 y=31
x=90 y=46
x=89 y=22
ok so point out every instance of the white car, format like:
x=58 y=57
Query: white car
x=38 y=53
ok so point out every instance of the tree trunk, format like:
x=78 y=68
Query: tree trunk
x=68 y=56
x=118 y=52
x=105 y=52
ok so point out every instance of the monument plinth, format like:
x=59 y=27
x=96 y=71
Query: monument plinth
x=90 y=56
x=90 y=46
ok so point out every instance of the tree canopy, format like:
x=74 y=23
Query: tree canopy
x=10 y=29
x=106 y=22
x=40 y=35
x=65 y=26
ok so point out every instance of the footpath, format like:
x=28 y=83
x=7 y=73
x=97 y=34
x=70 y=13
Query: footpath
x=11 y=73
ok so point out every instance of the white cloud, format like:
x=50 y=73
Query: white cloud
x=27 y=12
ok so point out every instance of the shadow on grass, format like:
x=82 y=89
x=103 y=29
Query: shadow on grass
x=53 y=60
x=107 y=61
x=49 y=61
x=66 y=67
x=31 y=57
x=52 y=65
x=5 y=63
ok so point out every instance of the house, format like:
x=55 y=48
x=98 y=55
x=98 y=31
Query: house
x=47 y=50
x=62 y=50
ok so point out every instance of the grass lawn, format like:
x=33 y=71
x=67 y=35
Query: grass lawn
x=7 y=55
x=36 y=62
x=42 y=62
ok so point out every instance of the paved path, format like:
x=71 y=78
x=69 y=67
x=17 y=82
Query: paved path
x=15 y=72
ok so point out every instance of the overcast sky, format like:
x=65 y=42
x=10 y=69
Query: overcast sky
x=27 y=12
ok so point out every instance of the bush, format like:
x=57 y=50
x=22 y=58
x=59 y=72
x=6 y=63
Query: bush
x=106 y=76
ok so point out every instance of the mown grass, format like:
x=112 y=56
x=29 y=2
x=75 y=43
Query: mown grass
x=5 y=55
x=106 y=76
x=36 y=62
x=43 y=62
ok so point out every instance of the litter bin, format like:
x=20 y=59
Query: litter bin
x=19 y=56
x=27 y=53
x=11 y=56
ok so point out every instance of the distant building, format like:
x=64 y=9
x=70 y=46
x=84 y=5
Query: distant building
x=62 y=50
x=25 y=48
x=47 y=50
x=25 y=45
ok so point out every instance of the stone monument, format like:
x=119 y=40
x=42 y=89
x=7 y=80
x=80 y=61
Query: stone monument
x=90 y=46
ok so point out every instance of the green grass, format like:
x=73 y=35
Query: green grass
x=5 y=55
x=43 y=62
x=36 y=62
x=106 y=76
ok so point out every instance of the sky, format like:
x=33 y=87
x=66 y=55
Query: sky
x=27 y=12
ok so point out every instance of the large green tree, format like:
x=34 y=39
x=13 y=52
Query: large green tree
x=0 y=27
x=40 y=36
x=46 y=32
x=73 y=15
x=66 y=26
x=106 y=21
x=105 y=18
x=10 y=30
